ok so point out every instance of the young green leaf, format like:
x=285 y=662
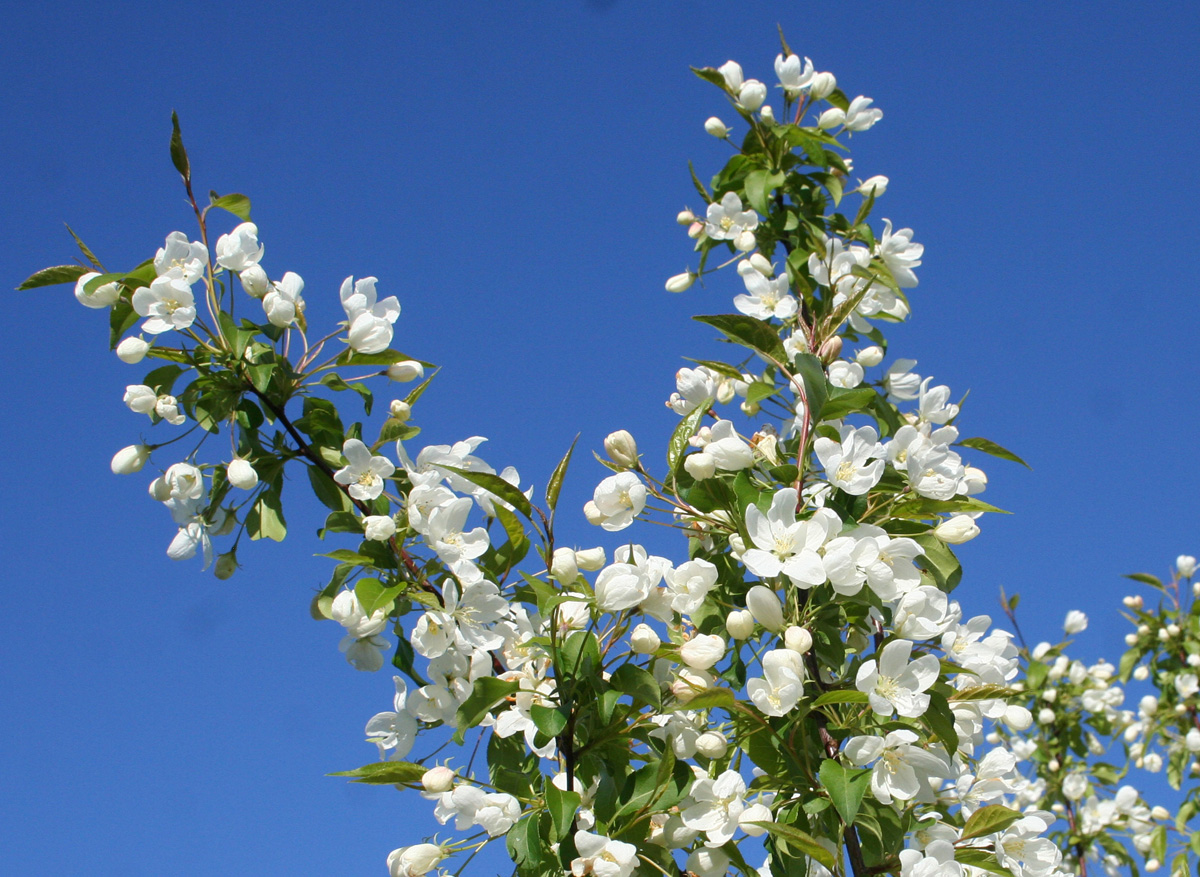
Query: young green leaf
x=496 y=485
x=386 y=773
x=990 y=447
x=845 y=787
x=53 y=276
x=989 y=820
x=237 y=204
x=179 y=156
x=554 y=485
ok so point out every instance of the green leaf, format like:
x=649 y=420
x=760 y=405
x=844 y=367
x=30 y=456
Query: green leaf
x=816 y=389
x=981 y=859
x=237 y=204
x=683 y=432
x=939 y=561
x=929 y=508
x=265 y=519
x=550 y=720
x=845 y=696
x=496 y=485
x=699 y=185
x=179 y=156
x=1145 y=579
x=83 y=248
x=842 y=402
x=802 y=841
x=940 y=719
x=711 y=74
x=52 y=276
x=394 y=430
x=989 y=820
x=749 y=332
x=711 y=698
x=486 y=693
x=759 y=185
x=327 y=491
x=845 y=787
x=758 y=391
x=637 y=683
x=386 y=773
x=562 y=806
x=990 y=447
x=372 y=594
x=984 y=692
x=554 y=485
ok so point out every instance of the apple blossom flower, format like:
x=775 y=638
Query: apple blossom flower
x=689 y=583
x=893 y=684
x=702 y=651
x=859 y=116
x=785 y=545
x=764 y=606
x=438 y=779
x=378 y=528
x=180 y=259
x=846 y=375
x=167 y=303
x=793 y=77
x=414 y=861
x=766 y=299
x=1185 y=565
x=602 y=857
x=936 y=860
x=167 y=407
x=854 y=465
x=714 y=805
x=823 y=85
x=405 y=371
x=900 y=254
x=622 y=449
x=740 y=623
x=732 y=73
x=284 y=303
x=901 y=382
x=393 y=730
x=869 y=356
x=901 y=767
x=100 y=296
x=364 y=472
x=255 y=281
x=140 y=399
x=1076 y=622
x=494 y=812
x=781 y=686
x=716 y=128
x=369 y=321
x=726 y=219
x=751 y=95
x=619 y=498
x=239 y=249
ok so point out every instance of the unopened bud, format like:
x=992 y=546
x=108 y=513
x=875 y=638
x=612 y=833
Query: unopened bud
x=716 y=127
x=831 y=349
x=378 y=528
x=241 y=474
x=831 y=118
x=702 y=651
x=590 y=559
x=622 y=449
x=712 y=744
x=695 y=230
x=1185 y=565
x=1141 y=672
x=226 y=565
x=1133 y=601
x=685 y=217
x=750 y=409
x=405 y=371
x=875 y=185
x=680 y=282
x=129 y=460
x=957 y=530
x=764 y=605
x=438 y=779
x=563 y=567
x=798 y=639
x=643 y=640
x=689 y=684
x=767 y=114
x=132 y=350
x=869 y=356
x=745 y=241
x=1160 y=812
x=255 y=281
x=700 y=466
x=822 y=86
x=740 y=624
x=752 y=94
x=761 y=264
x=400 y=410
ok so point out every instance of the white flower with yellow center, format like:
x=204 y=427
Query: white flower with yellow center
x=894 y=684
x=167 y=303
x=364 y=473
x=901 y=768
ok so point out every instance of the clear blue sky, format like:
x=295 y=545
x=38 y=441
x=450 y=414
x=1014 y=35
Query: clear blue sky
x=511 y=172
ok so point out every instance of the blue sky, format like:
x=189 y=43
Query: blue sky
x=511 y=172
